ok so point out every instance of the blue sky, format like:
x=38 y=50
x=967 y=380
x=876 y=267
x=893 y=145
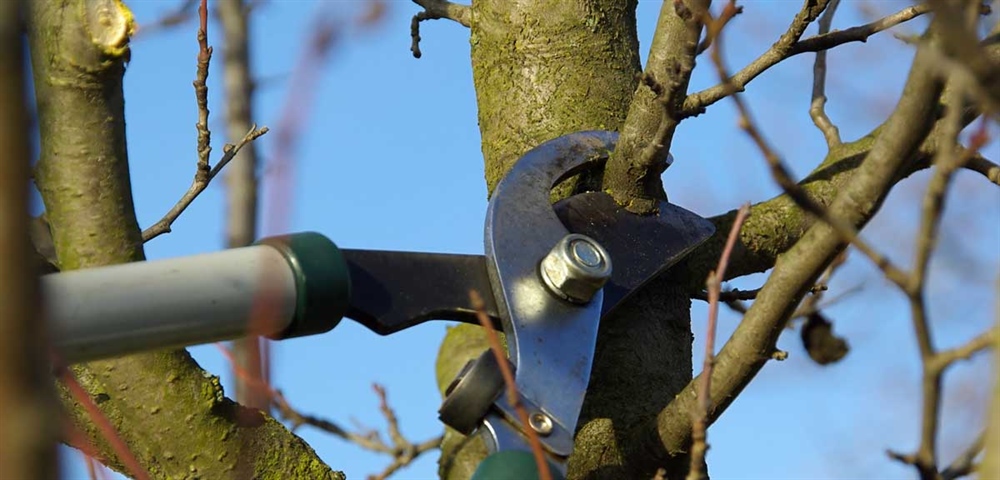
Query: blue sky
x=390 y=159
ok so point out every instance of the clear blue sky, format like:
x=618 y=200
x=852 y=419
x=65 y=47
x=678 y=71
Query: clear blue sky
x=390 y=159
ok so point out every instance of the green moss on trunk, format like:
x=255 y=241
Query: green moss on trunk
x=173 y=416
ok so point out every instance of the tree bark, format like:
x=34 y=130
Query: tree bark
x=29 y=429
x=173 y=416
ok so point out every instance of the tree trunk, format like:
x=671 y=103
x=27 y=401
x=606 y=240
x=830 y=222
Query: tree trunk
x=79 y=49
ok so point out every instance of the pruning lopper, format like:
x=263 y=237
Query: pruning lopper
x=550 y=273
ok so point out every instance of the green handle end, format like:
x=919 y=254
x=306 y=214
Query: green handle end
x=322 y=282
x=511 y=465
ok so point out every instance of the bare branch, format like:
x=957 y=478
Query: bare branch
x=201 y=91
x=985 y=167
x=946 y=358
x=817 y=106
x=826 y=41
x=435 y=10
x=199 y=185
x=204 y=173
x=404 y=452
x=947 y=161
x=789 y=45
x=741 y=295
x=965 y=464
x=753 y=342
x=795 y=191
x=699 y=424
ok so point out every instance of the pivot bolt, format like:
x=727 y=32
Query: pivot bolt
x=576 y=268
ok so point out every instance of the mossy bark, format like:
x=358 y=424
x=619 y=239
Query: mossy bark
x=547 y=68
x=171 y=414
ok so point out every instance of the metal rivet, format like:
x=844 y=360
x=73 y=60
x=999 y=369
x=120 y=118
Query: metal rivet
x=540 y=423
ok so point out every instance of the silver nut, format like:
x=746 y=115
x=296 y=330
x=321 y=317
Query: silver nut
x=576 y=268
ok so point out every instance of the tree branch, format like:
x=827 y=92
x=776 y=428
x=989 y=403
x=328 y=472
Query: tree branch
x=632 y=174
x=776 y=224
x=789 y=45
x=402 y=451
x=817 y=109
x=980 y=164
x=828 y=40
x=753 y=342
x=204 y=173
x=965 y=463
x=435 y=10
x=198 y=185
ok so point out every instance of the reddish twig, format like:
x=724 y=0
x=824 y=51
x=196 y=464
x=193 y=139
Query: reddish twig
x=101 y=422
x=511 y=387
x=714 y=286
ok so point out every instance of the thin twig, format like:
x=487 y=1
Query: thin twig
x=783 y=177
x=948 y=159
x=706 y=42
x=201 y=90
x=402 y=451
x=513 y=398
x=817 y=110
x=699 y=433
x=436 y=10
x=965 y=463
x=789 y=45
x=741 y=295
x=946 y=358
x=985 y=167
x=826 y=41
x=204 y=173
x=810 y=305
x=198 y=185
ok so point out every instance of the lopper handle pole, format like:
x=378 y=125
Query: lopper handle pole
x=281 y=287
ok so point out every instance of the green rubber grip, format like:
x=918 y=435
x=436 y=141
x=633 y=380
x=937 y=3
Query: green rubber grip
x=322 y=282
x=511 y=465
